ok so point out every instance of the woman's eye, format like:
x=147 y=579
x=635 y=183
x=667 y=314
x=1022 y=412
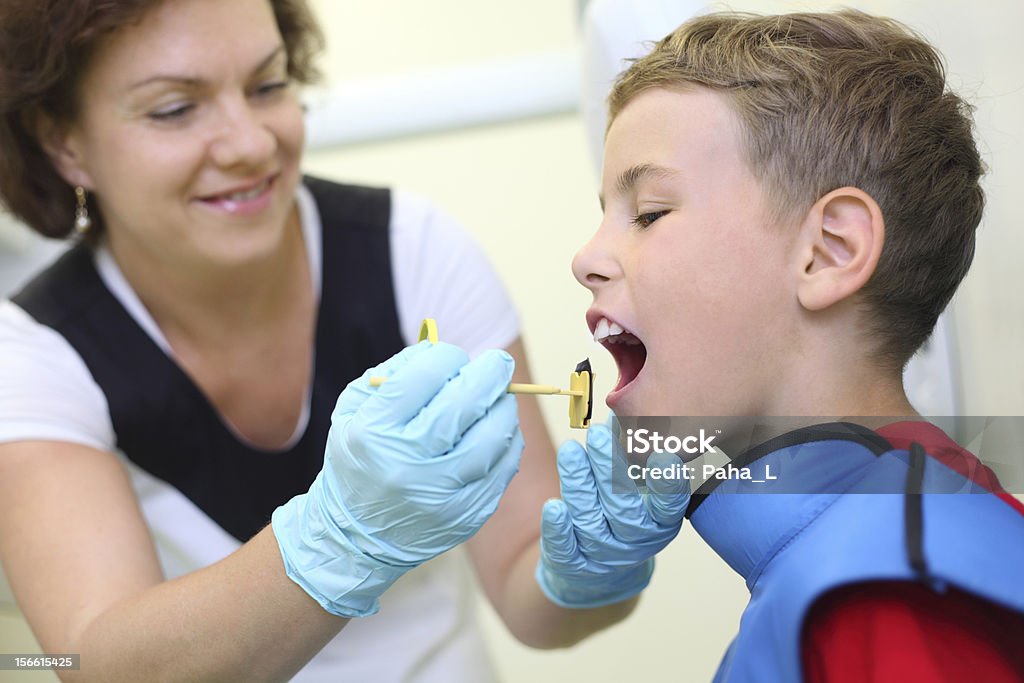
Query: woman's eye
x=171 y=113
x=644 y=220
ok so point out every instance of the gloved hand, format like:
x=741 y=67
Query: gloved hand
x=598 y=545
x=411 y=469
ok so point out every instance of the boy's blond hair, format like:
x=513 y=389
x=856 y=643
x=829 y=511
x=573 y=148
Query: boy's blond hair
x=845 y=99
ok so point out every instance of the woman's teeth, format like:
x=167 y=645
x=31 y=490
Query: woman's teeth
x=248 y=194
x=613 y=333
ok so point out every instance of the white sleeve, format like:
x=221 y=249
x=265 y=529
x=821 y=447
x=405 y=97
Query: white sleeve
x=46 y=390
x=440 y=273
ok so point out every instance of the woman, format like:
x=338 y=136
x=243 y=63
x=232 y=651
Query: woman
x=168 y=385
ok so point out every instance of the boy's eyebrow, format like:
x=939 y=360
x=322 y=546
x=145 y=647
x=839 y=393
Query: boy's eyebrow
x=192 y=81
x=632 y=176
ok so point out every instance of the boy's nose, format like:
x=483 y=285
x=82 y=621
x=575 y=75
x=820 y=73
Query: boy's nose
x=595 y=263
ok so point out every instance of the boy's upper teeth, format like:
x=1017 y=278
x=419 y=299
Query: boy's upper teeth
x=606 y=329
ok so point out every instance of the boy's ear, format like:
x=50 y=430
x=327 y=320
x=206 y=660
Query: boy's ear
x=839 y=247
x=62 y=146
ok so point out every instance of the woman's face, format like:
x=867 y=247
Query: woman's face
x=190 y=135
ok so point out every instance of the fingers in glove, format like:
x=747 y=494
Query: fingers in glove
x=489 y=450
x=667 y=498
x=624 y=508
x=478 y=500
x=579 y=490
x=359 y=389
x=461 y=402
x=414 y=384
x=557 y=536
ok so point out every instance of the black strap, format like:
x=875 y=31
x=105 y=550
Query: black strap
x=829 y=431
x=913 y=512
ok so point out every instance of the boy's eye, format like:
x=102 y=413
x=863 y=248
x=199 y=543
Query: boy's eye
x=644 y=220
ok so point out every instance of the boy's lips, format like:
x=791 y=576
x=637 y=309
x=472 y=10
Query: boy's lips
x=625 y=346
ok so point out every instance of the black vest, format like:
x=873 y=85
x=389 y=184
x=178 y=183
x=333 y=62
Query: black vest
x=168 y=427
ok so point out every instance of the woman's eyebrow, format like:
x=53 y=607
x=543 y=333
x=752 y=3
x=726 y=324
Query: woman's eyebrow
x=194 y=80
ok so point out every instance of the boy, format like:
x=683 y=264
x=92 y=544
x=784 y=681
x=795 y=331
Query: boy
x=789 y=203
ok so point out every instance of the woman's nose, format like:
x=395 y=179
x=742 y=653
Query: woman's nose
x=244 y=139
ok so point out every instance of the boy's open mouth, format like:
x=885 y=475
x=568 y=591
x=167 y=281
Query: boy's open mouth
x=629 y=352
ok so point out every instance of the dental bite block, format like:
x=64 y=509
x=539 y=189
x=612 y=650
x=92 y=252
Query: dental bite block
x=580 y=391
x=581 y=407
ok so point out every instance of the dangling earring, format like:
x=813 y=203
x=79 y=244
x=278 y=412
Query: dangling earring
x=82 y=220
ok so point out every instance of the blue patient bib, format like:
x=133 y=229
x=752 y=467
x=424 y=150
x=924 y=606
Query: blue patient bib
x=839 y=514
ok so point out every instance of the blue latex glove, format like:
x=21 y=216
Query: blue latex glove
x=411 y=469
x=598 y=546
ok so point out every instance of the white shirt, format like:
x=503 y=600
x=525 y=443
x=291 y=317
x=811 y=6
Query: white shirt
x=425 y=630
